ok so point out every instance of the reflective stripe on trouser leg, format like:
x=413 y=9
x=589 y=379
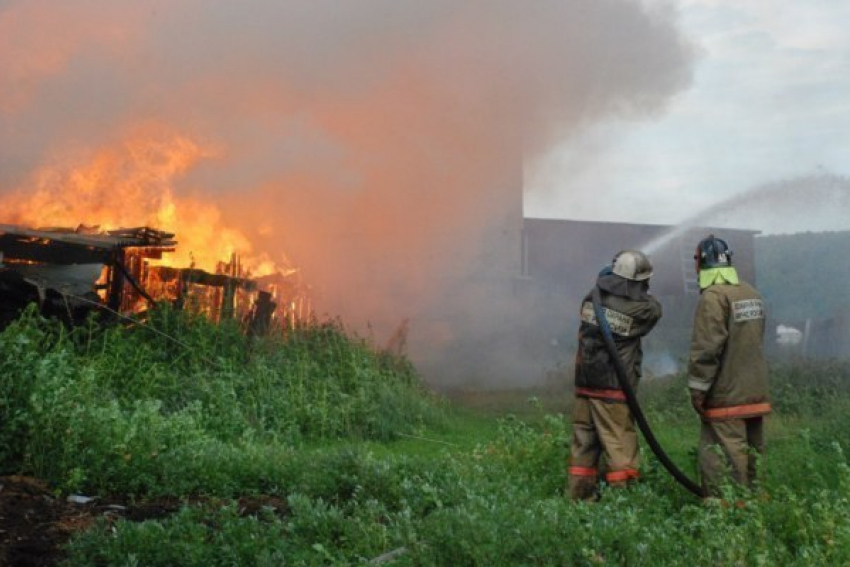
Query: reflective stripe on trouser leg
x=584 y=453
x=618 y=437
x=620 y=478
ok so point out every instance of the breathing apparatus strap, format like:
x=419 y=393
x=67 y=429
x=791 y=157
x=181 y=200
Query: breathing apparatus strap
x=631 y=399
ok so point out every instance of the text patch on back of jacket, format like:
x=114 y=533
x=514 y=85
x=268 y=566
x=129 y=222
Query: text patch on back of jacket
x=747 y=310
x=618 y=322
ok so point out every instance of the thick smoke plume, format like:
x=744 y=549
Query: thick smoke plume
x=375 y=144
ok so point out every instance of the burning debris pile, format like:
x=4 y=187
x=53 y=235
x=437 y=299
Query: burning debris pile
x=71 y=272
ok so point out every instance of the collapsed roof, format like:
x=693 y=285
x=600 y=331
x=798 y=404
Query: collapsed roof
x=83 y=245
x=68 y=272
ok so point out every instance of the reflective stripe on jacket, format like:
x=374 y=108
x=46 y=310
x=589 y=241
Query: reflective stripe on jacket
x=631 y=313
x=726 y=358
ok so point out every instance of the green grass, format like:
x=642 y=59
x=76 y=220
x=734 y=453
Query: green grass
x=356 y=459
x=128 y=410
x=500 y=503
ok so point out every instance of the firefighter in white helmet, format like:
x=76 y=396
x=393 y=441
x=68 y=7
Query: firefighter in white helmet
x=602 y=421
x=727 y=369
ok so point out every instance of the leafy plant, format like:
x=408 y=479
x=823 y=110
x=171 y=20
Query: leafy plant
x=350 y=452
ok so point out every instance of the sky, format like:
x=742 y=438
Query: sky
x=767 y=113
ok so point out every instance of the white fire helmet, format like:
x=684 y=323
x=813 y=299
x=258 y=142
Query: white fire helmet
x=633 y=265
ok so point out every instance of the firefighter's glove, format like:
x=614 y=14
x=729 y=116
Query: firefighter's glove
x=698 y=401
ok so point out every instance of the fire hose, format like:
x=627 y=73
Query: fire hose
x=631 y=400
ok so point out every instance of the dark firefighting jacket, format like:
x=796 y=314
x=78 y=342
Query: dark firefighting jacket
x=631 y=313
x=727 y=359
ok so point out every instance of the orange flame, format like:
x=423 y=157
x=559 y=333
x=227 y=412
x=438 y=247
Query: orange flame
x=133 y=184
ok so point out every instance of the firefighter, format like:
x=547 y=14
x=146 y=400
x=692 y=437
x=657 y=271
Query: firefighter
x=602 y=421
x=727 y=369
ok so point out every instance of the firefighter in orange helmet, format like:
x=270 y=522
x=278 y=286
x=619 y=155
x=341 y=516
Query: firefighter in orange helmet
x=602 y=421
x=727 y=369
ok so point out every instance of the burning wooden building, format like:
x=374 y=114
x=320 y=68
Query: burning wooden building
x=69 y=273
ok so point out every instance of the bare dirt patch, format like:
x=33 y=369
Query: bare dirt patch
x=35 y=523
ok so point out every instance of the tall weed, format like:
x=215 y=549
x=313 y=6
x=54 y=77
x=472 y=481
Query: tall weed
x=123 y=409
x=129 y=410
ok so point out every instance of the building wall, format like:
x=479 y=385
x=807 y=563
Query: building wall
x=561 y=259
x=512 y=322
